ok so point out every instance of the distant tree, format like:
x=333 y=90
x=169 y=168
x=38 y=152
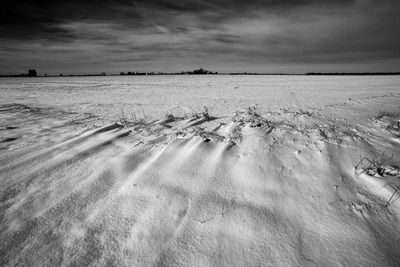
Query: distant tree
x=122 y=73
x=32 y=73
x=201 y=71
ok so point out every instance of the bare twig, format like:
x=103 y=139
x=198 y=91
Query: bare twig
x=395 y=191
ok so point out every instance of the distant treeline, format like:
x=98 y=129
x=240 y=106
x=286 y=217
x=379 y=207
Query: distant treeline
x=353 y=73
x=259 y=73
x=33 y=73
x=77 y=75
x=197 y=71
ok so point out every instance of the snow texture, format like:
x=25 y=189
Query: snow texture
x=309 y=183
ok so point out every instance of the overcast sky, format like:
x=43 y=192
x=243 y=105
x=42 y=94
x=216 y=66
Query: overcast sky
x=293 y=36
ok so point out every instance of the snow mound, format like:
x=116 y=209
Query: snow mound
x=279 y=188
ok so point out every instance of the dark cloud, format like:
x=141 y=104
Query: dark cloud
x=252 y=35
x=41 y=19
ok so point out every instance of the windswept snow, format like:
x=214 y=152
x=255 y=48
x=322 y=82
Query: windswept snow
x=154 y=96
x=300 y=185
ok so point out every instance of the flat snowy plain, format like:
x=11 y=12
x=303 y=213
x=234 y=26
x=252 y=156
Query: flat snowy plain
x=212 y=170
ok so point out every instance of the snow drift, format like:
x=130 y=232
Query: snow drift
x=283 y=188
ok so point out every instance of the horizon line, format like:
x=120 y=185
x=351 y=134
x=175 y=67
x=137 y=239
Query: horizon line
x=25 y=75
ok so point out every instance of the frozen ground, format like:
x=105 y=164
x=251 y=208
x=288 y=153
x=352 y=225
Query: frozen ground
x=282 y=171
x=154 y=96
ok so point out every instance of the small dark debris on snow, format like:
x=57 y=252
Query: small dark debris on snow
x=8 y=139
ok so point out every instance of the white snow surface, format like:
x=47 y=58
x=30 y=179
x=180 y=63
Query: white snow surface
x=134 y=171
x=154 y=96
